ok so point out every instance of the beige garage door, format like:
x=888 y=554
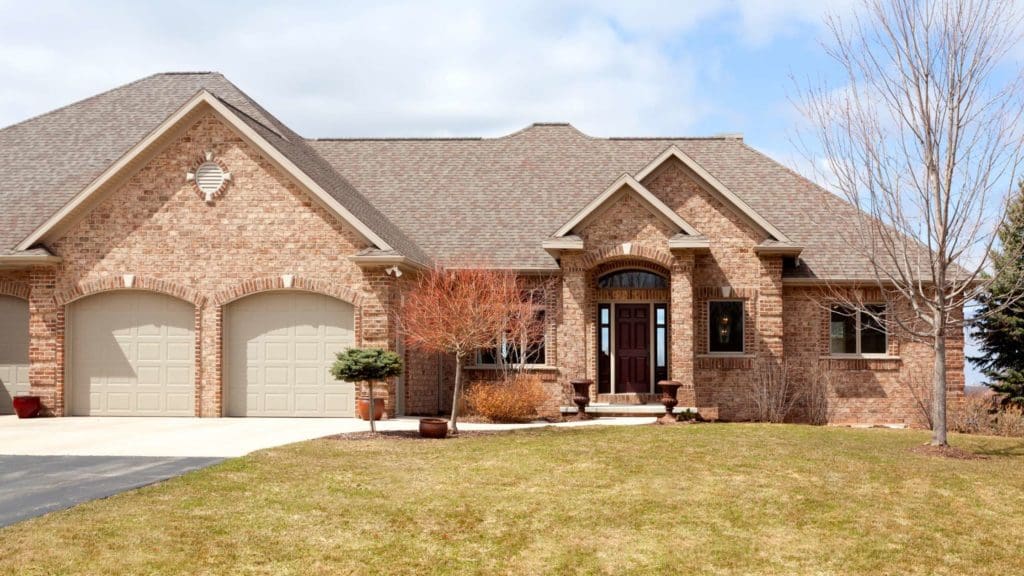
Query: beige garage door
x=13 y=350
x=279 y=348
x=132 y=353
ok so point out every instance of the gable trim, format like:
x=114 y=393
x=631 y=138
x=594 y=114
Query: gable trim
x=654 y=204
x=721 y=190
x=203 y=97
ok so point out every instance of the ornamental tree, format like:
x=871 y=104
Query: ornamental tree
x=459 y=311
x=367 y=365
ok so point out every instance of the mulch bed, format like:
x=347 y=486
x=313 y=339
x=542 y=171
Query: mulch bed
x=407 y=435
x=947 y=452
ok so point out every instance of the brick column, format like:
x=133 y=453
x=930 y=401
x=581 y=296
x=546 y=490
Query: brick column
x=375 y=326
x=46 y=333
x=573 y=334
x=769 y=307
x=210 y=360
x=681 y=330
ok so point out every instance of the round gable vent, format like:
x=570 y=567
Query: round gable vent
x=209 y=178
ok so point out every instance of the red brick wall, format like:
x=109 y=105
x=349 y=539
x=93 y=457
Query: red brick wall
x=157 y=227
x=865 y=391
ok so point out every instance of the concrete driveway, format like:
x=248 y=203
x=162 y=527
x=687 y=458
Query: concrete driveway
x=199 y=437
x=161 y=437
x=49 y=464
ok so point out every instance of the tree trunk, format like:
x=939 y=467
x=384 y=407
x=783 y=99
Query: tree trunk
x=456 y=396
x=939 y=384
x=373 y=424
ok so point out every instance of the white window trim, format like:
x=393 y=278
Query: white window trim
x=743 y=328
x=857 y=331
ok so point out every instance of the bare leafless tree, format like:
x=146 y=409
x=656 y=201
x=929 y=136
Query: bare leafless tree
x=773 y=393
x=925 y=137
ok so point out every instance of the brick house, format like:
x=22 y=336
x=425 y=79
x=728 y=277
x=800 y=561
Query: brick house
x=171 y=248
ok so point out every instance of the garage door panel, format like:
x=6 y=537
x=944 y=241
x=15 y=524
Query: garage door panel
x=307 y=352
x=280 y=347
x=148 y=352
x=180 y=352
x=308 y=376
x=132 y=353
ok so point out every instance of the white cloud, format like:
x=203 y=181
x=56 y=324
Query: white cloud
x=388 y=68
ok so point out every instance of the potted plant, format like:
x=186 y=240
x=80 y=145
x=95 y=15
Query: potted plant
x=369 y=365
x=27 y=406
x=433 y=428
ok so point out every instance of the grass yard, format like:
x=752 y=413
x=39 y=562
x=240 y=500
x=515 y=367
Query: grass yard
x=716 y=499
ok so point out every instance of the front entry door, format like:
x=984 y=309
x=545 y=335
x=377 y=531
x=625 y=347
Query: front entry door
x=632 y=348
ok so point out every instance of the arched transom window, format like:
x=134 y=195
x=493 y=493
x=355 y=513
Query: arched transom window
x=632 y=279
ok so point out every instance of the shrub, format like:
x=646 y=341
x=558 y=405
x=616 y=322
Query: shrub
x=983 y=414
x=515 y=399
x=817 y=393
x=1009 y=421
x=771 y=392
x=973 y=415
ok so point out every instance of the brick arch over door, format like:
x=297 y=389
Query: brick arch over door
x=630 y=263
x=269 y=283
x=15 y=289
x=635 y=253
x=150 y=284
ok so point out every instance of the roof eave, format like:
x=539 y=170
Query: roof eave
x=687 y=243
x=376 y=260
x=778 y=250
x=19 y=260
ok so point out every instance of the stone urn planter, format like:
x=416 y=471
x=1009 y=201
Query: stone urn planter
x=433 y=428
x=27 y=406
x=669 y=399
x=581 y=397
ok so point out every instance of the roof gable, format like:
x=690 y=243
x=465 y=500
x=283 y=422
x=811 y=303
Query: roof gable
x=628 y=185
x=716 y=187
x=200 y=101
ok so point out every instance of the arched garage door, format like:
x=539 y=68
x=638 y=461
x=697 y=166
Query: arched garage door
x=132 y=353
x=279 y=346
x=13 y=350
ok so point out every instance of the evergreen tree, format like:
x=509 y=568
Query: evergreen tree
x=1000 y=332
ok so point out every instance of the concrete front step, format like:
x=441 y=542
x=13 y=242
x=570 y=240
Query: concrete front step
x=627 y=409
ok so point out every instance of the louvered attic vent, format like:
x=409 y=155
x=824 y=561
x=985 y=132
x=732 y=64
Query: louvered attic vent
x=209 y=178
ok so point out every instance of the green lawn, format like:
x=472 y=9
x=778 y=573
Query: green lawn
x=717 y=499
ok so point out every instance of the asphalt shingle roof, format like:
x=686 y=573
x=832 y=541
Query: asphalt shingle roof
x=45 y=161
x=501 y=197
x=430 y=199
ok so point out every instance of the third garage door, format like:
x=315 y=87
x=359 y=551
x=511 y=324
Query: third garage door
x=279 y=346
x=13 y=351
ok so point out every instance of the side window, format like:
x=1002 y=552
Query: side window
x=858 y=331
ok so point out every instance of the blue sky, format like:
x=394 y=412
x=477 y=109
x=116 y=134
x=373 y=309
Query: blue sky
x=637 y=68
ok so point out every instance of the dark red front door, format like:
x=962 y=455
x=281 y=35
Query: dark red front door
x=632 y=348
